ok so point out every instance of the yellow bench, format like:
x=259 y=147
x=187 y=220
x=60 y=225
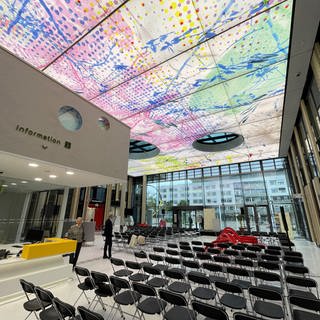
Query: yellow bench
x=50 y=247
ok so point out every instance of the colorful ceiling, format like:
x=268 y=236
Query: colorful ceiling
x=173 y=71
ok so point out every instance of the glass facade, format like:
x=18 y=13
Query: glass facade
x=259 y=187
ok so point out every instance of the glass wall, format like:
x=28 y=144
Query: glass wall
x=259 y=187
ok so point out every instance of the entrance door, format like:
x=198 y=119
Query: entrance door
x=187 y=218
x=258 y=218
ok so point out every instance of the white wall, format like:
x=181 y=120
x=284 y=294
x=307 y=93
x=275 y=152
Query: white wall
x=10 y=212
x=32 y=100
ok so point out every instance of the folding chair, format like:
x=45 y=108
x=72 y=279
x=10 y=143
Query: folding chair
x=306 y=304
x=179 y=286
x=209 y=311
x=85 y=285
x=45 y=297
x=180 y=310
x=122 y=272
x=138 y=276
x=205 y=291
x=65 y=310
x=87 y=314
x=157 y=281
x=301 y=282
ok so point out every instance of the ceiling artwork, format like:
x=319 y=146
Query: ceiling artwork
x=173 y=71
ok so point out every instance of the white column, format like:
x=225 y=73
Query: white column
x=23 y=216
x=62 y=212
x=123 y=202
x=144 y=200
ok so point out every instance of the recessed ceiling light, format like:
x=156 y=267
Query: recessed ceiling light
x=38 y=179
x=69 y=172
x=52 y=176
x=4 y=185
x=34 y=165
x=13 y=183
x=24 y=181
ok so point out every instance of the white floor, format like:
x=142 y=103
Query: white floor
x=91 y=258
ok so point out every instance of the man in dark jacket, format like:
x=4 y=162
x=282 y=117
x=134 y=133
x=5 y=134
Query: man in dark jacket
x=108 y=235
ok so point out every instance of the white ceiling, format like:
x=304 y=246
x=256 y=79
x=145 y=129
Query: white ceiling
x=16 y=169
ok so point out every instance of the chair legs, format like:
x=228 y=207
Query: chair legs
x=83 y=292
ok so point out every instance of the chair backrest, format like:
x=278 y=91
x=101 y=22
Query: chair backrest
x=198 y=277
x=64 y=309
x=269 y=257
x=27 y=287
x=228 y=287
x=151 y=270
x=296 y=269
x=186 y=254
x=99 y=277
x=266 y=276
x=238 y=247
x=87 y=314
x=214 y=250
x=198 y=249
x=254 y=248
x=190 y=264
x=155 y=257
x=270 y=265
x=209 y=310
x=231 y=252
x=82 y=272
x=293 y=259
x=243 y=262
x=249 y=254
x=293 y=253
x=140 y=254
x=119 y=282
x=238 y=271
x=184 y=243
x=133 y=265
x=144 y=289
x=172 y=252
x=172 y=298
x=310 y=304
x=204 y=256
x=302 y=282
x=174 y=274
x=272 y=252
x=213 y=267
x=265 y=293
x=278 y=248
x=172 y=260
x=196 y=243
x=44 y=296
x=222 y=259
x=172 y=245
x=185 y=248
x=117 y=262
x=158 y=249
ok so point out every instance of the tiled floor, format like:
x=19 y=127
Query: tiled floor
x=91 y=258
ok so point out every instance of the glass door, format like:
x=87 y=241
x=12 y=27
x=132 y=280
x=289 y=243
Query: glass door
x=258 y=218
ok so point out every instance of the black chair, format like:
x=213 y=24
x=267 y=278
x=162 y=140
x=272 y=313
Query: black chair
x=258 y=297
x=122 y=272
x=239 y=247
x=244 y=316
x=187 y=254
x=302 y=282
x=32 y=305
x=293 y=259
x=197 y=243
x=85 y=285
x=214 y=250
x=185 y=248
x=264 y=278
x=87 y=314
x=209 y=311
x=172 y=245
x=204 y=256
x=198 y=249
x=215 y=271
x=272 y=252
x=143 y=258
x=157 y=258
x=238 y=277
x=249 y=254
x=184 y=243
x=269 y=265
x=180 y=310
x=231 y=252
x=224 y=245
x=103 y=288
x=254 y=248
x=125 y=296
x=244 y=262
x=157 y=281
x=205 y=291
x=179 y=286
x=158 y=249
x=152 y=304
x=269 y=257
x=306 y=304
x=138 y=276
x=45 y=298
x=232 y=296
x=222 y=259
x=174 y=263
x=296 y=269
x=293 y=254
x=65 y=310
x=191 y=264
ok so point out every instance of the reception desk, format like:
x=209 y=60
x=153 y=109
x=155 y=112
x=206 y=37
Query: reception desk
x=50 y=247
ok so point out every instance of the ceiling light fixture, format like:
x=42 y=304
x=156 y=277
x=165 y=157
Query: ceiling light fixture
x=69 y=172
x=38 y=179
x=24 y=181
x=4 y=185
x=52 y=176
x=13 y=183
x=34 y=165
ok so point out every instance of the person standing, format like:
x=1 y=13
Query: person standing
x=76 y=232
x=108 y=237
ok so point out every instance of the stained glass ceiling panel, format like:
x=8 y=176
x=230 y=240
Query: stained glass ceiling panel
x=171 y=70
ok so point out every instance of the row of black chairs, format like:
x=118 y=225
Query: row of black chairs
x=225 y=295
